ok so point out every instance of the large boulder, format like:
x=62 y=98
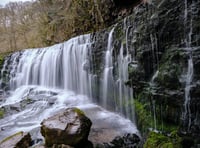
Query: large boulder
x=70 y=127
x=18 y=140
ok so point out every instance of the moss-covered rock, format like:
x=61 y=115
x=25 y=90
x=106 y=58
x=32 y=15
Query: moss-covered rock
x=18 y=140
x=159 y=140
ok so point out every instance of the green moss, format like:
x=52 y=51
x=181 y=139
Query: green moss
x=167 y=145
x=144 y=119
x=155 y=140
x=78 y=111
x=145 y=114
x=159 y=140
x=2 y=112
x=10 y=137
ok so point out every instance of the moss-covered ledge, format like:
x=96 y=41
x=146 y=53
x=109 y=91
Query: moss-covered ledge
x=158 y=140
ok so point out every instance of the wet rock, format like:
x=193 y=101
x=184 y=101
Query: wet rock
x=18 y=140
x=39 y=146
x=86 y=144
x=70 y=127
x=54 y=146
x=61 y=146
x=128 y=141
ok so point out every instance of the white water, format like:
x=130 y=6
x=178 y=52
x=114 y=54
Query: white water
x=153 y=101
x=125 y=93
x=155 y=51
x=59 y=66
x=47 y=102
x=108 y=70
x=154 y=115
x=46 y=80
x=190 y=70
x=115 y=92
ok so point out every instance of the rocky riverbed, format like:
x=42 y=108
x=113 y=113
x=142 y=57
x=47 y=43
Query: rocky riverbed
x=107 y=129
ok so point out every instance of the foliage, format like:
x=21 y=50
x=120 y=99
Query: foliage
x=45 y=22
x=18 y=25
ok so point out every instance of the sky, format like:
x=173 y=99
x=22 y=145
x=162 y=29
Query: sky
x=3 y=2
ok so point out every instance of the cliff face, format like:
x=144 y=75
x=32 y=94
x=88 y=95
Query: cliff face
x=163 y=38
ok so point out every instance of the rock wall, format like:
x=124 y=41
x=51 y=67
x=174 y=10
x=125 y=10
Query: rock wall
x=163 y=36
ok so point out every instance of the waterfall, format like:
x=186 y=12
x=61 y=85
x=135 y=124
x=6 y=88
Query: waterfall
x=152 y=85
x=154 y=115
x=116 y=94
x=190 y=69
x=125 y=93
x=67 y=66
x=61 y=66
x=108 y=70
x=155 y=52
x=43 y=81
x=59 y=76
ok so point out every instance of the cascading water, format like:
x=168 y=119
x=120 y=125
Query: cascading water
x=113 y=85
x=59 y=66
x=154 y=101
x=45 y=80
x=125 y=92
x=108 y=71
x=189 y=75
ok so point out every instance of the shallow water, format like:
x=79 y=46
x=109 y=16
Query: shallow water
x=30 y=104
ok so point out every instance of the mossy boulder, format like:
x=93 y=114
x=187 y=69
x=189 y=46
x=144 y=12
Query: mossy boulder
x=70 y=127
x=18 y=140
